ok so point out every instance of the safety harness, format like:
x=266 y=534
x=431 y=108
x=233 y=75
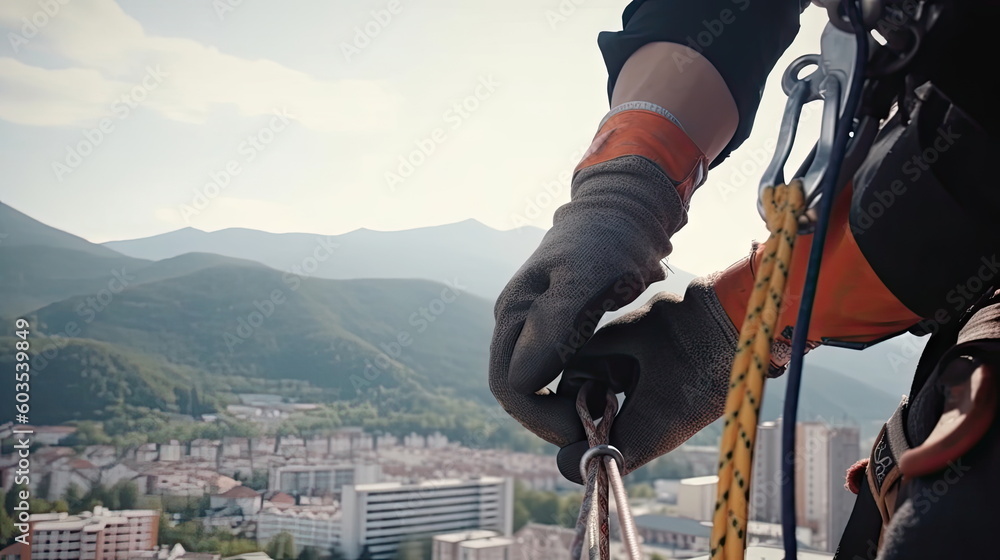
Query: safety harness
x=847 y=133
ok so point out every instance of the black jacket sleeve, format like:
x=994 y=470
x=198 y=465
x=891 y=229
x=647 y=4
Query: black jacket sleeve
x=742 y=38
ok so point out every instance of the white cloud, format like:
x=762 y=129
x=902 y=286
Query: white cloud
x=108 y=54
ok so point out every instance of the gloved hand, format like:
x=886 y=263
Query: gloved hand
x=672 y=359
x=629 y=195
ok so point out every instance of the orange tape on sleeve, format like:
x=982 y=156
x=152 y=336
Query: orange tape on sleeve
x=655 y=137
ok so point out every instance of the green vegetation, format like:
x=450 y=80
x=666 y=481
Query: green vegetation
x=142 y=366
x=667 y=466
x=257 y=480
x=122 y=495
x=547 y=508
x=415 y=548
x=309 y=553
x=281 y=546
x=193 y=536
x=7 y=529
x=350 y=337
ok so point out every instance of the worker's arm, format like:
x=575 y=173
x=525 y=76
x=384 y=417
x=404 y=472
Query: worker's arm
x=674 y=111
x=695 y=94
x=704 y=61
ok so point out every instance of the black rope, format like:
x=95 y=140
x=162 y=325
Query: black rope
x=800 y=333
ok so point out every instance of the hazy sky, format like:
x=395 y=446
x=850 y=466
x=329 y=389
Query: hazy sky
x=300 y=117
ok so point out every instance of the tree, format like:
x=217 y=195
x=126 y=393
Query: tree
x=415 y=548
x=164 y=530
x=73 y=498
x=12 y=498
x=237 y=546
x=6 y=522
x=43 y=487
x=642 y=490
x=536 y=505
x=309 y=553
x=257 y=480
x=521 y=515
x=282 y=546
x=126 y=493
x=99 y=495
x=196 y=406
x=569 y=509
x=190 y=534
x=38 y=505
x=60 y=506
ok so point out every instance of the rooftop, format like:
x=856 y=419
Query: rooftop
x=464 y=536
x=487 y=542
x=240 y=492
x=678 y=525
x=305 y=512
x=278 y=497
x=701 y=480
x=442 y=483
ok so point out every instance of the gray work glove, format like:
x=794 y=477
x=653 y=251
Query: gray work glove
x=672 y=359
x=603 y=250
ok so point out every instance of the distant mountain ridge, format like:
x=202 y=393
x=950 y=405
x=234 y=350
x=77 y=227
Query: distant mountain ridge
x=480 y=257
x=17 y=229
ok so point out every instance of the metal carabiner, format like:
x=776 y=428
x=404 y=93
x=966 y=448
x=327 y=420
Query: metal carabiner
x=831 y=82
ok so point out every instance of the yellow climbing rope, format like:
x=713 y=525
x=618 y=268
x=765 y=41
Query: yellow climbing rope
x=782 y=205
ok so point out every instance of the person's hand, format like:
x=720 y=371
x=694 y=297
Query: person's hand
x=672 y=359
x=629 y=195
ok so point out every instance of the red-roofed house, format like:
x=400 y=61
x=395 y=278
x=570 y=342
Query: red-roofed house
x=279 y=499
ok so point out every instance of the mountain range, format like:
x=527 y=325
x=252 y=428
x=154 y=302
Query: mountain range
x=479 y=257
x=400 y=320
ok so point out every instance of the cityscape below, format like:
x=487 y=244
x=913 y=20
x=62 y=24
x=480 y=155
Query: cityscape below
x=352 y=494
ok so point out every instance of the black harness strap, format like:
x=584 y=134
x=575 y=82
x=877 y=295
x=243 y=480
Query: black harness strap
x=860 y=538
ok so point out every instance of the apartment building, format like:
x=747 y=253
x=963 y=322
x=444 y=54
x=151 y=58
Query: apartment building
x=102 y=534
x=823 y=454
x=315 y=526
x=381 y=516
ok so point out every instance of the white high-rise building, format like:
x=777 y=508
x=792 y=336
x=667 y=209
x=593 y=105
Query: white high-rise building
x=845 y=450
x=381 y=516
x=812 y=481
x=823 y=454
